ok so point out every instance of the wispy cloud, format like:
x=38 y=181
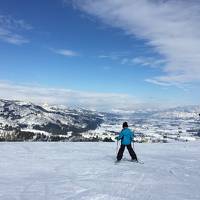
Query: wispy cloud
x=114 y=55
x=126 y=58
x=170 y=27
x=144 y=61
x=64 y=52
x=91 y=100
x=10 y=30
x=158 y=82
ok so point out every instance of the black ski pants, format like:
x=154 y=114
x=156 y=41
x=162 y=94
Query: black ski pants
x=130 y=150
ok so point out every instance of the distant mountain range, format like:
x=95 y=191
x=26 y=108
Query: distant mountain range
x=18 y=116
x=21 y=121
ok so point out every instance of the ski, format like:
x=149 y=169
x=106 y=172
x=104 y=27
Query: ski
x=139 y=161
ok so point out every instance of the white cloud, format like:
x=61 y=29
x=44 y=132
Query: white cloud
x=171 y=27
x=114 y=55
x=158 y=82
x=144 y=61
x=10 y=28
x=64 y=52
x=91 y=100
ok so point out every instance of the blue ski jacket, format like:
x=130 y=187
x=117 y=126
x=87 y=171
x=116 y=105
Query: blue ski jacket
x=126 y=136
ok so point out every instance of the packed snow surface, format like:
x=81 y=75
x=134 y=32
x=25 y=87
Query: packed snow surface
x=61 y=171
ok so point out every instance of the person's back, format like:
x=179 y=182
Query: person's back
x=126 y=136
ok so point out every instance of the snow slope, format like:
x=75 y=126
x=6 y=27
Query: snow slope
x=52 y=119
x=61 y=171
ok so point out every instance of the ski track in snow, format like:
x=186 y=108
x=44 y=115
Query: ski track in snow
x=86 y=171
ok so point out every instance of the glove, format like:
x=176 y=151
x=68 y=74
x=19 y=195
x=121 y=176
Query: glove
x=117 y=138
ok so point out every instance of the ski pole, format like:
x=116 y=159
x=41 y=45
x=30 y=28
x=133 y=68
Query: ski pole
x=117 y=148
x=134 y=150
x=133 y=146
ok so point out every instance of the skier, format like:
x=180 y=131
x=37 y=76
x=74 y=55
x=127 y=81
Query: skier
x=126 y=137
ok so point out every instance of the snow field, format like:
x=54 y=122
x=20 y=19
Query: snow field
x=87 y=171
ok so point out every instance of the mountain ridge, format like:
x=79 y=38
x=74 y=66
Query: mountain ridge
x=17 y=116
x=22 y=121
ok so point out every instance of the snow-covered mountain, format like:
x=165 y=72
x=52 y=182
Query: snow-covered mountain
x=157 y=125
x=185 y=112
x=20 y=121
x=54 y=120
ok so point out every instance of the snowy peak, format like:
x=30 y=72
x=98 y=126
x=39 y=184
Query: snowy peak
x=52 y=119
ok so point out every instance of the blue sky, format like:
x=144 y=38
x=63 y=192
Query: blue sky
x=100 y=54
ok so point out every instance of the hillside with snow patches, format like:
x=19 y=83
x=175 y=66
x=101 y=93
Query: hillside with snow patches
x=25 y=121
x=26 y=117
x=87 y=171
